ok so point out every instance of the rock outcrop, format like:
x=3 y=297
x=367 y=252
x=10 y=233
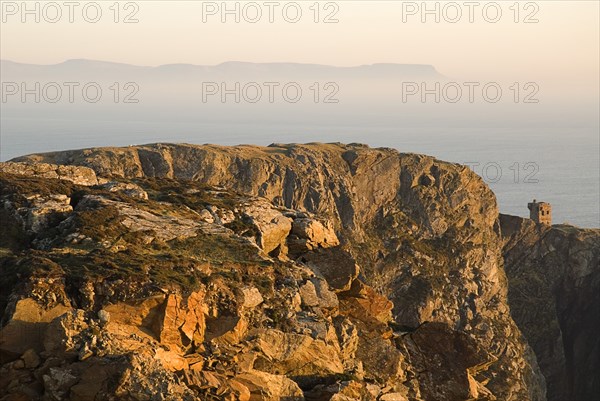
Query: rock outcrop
x=286 y=272
x=132 y=297
x=554 y=295
x=76 y=174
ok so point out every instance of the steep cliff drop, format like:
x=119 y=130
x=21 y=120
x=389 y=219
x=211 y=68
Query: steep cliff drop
x=554 y=296
x=320 y=271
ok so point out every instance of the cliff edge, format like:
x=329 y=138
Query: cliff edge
x=318 y=271
x=554 y=295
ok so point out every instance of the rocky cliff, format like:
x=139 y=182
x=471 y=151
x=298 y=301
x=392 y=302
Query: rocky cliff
x=554 y=295
x=258 y=273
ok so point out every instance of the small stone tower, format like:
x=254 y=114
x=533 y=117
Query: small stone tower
x=540 y=212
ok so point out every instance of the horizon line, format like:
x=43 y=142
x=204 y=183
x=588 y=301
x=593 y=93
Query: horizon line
x=219 y=64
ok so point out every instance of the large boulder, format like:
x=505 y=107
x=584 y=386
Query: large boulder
x=272 y=225
x=181 y=323
x=126 y=188
x=264 y=386
x=363 y=303
x=309 y=234
x=26 y=328
x=336 y=265
x=298 y=356
x=315 y=292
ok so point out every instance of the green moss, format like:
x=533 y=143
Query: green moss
x=217 y=249
x=192 y=194
x=100 y=224
x=177 y=263
x=11 y=184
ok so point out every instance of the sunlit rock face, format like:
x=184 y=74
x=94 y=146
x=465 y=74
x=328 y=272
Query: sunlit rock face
x=317 y=272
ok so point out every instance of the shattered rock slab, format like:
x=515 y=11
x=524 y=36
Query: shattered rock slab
x=76 y=174
x=165 y=228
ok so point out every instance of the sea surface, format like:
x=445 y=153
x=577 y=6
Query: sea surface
x=560 y=166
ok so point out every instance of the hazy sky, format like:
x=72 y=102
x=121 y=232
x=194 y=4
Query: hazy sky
x=562 y=45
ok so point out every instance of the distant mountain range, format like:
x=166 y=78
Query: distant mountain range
x=231 y=91
x=257 y=100
x=238 y=69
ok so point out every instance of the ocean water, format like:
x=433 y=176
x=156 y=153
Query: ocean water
x=560 y=166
